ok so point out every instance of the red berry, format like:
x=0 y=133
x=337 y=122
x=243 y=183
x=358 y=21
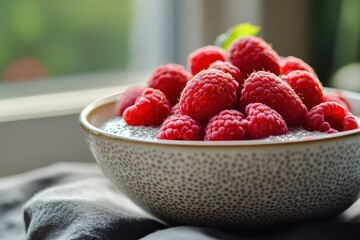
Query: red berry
x=127 y=99
x=330 y=117
x=263 y=122
x=306 y=85
x=269 y=89
x=292 y=63
x=207 y=93
x=150 y=109
x=232 y=70
x=175 y=109
x=251 y=54
x=227 y=125
x=338 y=98
x=171 y=80
x=180 y=127
x=228 y=67
x=201 y=58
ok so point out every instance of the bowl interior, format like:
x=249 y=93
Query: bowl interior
x=96 y=113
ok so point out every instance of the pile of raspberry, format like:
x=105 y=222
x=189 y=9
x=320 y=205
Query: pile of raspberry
x=246 y=92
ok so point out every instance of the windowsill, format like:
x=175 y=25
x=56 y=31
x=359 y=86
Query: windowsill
x=62 y=101
x=39 y=130
x=49 y=105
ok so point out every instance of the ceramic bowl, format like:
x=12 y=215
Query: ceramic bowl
x=229 y=184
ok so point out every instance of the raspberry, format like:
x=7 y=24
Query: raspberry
x=338 y=98
x=292 y=63
x=262 y=122
x=207 y=93
x=127 y=99
x=150 y=109
x=175 y=109
x=201 y=58
x=228 y=67
x=329 y=117
x=269 y=89
x=180 y=127
x=232 y=70
x=306 y=85
x=251 y=54
x=227 y=125
x=171 y=80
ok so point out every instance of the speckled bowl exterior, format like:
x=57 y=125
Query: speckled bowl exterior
x=237 y=184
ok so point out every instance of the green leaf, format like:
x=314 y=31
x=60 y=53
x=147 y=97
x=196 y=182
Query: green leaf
x=243 y=29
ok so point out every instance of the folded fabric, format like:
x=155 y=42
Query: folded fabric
x=16 y=190
x=77 y=202
x=88 y=209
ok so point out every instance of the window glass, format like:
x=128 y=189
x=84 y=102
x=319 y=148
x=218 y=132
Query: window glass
x=42 y=39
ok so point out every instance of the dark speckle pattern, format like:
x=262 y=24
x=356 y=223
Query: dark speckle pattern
x=234 y=187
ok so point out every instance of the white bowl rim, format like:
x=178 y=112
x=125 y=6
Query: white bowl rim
x=111 y=99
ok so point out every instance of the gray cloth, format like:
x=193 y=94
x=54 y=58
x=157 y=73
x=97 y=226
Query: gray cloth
x=75 y=201
x=16 y=190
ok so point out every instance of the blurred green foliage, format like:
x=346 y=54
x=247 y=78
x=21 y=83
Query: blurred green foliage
x=325 y=15
x=335 y=35
x=67 y=36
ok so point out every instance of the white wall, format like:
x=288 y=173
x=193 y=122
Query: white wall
x=29 y=144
